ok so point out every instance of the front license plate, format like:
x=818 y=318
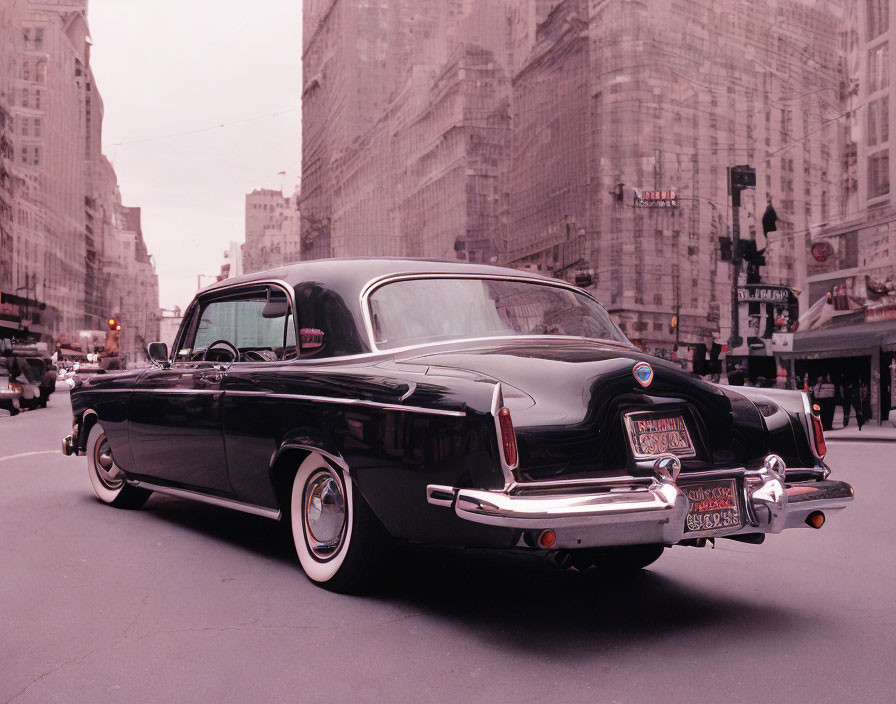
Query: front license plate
x=713 y=506
x=652 y=435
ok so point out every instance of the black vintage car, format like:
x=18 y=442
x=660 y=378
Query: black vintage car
x=368 y=399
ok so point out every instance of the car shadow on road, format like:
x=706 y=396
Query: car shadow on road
x=526 y=602
x=520 y=599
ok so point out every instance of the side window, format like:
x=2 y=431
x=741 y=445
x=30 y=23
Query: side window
x=257 y=325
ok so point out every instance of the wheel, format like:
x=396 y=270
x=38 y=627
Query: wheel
x=105 y=478
x=621 y=559
x=339 y=541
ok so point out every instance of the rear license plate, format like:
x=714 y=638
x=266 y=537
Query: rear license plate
x=652 y=435
x=714 y=506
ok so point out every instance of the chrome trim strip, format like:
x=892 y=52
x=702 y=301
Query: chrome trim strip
x=438 y=495
x=378 y=281
x=207 y=499
x=581 y=483
x=333 y=459
x=354 y=402
x=174 y=391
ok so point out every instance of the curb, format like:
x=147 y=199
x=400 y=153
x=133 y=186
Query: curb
x=870 y=438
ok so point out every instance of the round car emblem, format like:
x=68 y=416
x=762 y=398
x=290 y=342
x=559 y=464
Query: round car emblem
x=643 y=373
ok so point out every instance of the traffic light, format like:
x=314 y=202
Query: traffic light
x=769 y=220
x=743 y=176
x=673 y=324
x=725 y=248
x=739 y=178
x=114 y=324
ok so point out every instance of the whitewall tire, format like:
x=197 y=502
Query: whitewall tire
x=106 y=478
x=337 y=538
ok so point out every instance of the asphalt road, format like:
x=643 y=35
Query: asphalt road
x=182 y=602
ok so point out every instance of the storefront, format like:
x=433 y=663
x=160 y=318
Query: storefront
x=862 y=353
x=22 y=318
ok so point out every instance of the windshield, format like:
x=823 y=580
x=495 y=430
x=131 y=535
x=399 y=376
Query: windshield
x=429 y=310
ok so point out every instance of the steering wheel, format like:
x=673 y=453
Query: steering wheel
x=236 y=352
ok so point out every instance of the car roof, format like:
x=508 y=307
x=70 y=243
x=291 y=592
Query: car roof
x=350 y=275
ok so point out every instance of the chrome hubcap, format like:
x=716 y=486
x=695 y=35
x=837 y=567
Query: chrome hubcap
x=324 y=509
x=105 y=465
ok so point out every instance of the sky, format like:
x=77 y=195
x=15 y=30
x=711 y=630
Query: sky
x=202 y=105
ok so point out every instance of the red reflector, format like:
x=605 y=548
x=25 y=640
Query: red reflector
x=508 y=437
x=547 y=539
x=821 y=449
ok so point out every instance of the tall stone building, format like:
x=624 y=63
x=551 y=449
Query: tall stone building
x=61 y=266
x=272 y=230
x=406 y=124
x=502 y=131
x=618 y=98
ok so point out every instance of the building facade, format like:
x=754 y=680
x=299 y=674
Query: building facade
x=520 y=132
x=64 y=230
x=272 y=231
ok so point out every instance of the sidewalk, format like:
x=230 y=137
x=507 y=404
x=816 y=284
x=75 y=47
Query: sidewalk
x=870 y=432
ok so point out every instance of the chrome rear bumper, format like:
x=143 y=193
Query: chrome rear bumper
x=633 y=511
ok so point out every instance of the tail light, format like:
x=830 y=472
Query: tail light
x=821 y=449
x=508 y=436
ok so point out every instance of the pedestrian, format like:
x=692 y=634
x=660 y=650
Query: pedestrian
x=825 y=395
x=851 y=400
x=865 y=400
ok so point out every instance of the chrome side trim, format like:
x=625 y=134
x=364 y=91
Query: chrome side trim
x=333 y=459
x=175 y=391
x=354 y=402
x=207 y=499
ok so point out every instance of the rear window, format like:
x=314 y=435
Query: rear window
x=415 y=311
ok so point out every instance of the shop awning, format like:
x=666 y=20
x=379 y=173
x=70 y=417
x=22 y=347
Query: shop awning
x=845 y=341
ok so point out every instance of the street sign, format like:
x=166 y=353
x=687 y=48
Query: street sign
x=763 y=293
x=656 y=199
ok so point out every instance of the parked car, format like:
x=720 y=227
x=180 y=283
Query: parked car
x=10 y=392
x=363 y=400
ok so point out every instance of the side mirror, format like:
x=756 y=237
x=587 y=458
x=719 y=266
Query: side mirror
x=158 y=353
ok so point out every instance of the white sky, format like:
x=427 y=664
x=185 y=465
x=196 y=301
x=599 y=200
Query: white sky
x=166 y=67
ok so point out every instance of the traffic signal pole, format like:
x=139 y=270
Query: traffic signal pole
x=739 y=178
x=734 y=339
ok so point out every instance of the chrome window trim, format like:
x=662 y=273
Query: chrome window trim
x=353 y=402
x=379 y=281
x=213 y=290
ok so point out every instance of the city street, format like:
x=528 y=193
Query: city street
x=180 y=601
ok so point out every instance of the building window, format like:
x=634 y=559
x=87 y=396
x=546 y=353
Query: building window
x=878 y=16
x=24 y=155
x=36 y=125
x=26 y=97
x=879 y=174
x=36 y=159
x=878 y=68
x=879 y=121
x=24 y=126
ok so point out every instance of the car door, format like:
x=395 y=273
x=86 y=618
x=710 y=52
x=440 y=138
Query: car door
x=255 y=408
x=176 y=413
